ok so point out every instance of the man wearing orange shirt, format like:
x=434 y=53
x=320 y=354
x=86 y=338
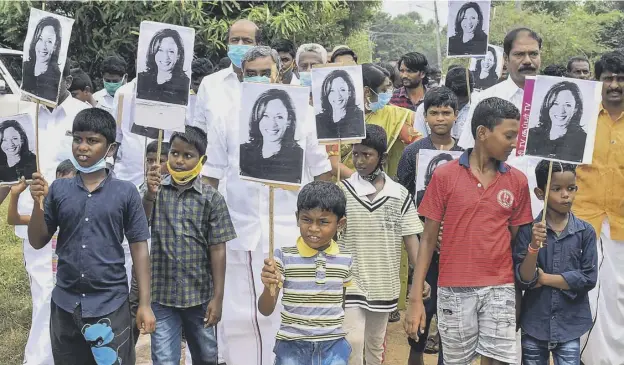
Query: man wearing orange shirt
x=600 y=201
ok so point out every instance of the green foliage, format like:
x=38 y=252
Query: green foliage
x=361 y=44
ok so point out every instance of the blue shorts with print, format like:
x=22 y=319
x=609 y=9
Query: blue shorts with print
x=333 y=352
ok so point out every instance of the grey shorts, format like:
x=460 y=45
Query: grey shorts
x=477 y=321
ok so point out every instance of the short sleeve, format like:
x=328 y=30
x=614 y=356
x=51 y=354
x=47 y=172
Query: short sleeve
x=410 y=222
x=220 y=228
x=50 y=209
x=135 y=221
x=201 y=112
x=217 y=151
x=278 y=256
x=433 y=205
x=349 y=275
x=522 y=213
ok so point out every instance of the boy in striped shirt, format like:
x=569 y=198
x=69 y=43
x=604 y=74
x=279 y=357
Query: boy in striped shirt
x=313 y=274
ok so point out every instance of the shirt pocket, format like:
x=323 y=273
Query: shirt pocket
x=574 y=253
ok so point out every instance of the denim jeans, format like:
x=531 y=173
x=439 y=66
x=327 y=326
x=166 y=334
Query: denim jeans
x=536 y=352
x=333 y=352
x=166 y=340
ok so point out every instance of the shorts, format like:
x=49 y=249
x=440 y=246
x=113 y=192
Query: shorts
x=477 y=321
x=332 y=352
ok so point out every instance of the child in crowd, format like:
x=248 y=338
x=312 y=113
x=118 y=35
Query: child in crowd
x=93 y=211
x=482 y=202
x=313 y=273
x=190 y=226
x=382 y=217
x=556 y=264
x=440 y=108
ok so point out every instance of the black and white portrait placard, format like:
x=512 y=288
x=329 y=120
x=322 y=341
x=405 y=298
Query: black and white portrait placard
x=271 y=125
x=487 y=70
x=45 y=54
x=562 y=122
x=17 y=148
x=338 y=95
x=468 y=28
x=426 y=163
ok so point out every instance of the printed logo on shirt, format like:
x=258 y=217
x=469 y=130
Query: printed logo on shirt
x=505 y=198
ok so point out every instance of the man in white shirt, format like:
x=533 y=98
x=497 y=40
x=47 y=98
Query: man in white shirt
x=114 y=75
x=307 y=56
x=249 y=336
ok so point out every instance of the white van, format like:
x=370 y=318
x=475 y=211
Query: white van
x=10 y=80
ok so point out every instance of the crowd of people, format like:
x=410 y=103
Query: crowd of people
x=119 y=240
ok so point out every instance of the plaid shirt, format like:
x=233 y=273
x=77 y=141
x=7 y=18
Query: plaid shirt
x=401 y=98
x=184 y=226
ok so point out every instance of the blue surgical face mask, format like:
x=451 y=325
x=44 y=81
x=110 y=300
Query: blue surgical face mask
x=257 y=79
x=236 y=53
x=101 y=164
x=305 y=79
x=382 y=100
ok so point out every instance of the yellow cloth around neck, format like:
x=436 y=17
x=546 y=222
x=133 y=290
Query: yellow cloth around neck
x=184 y=177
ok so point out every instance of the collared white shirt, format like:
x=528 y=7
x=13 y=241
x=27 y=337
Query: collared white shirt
x=364 y=188
x=217 y=92
x=55 y=146
x=105 y=101
x=248 y=202
x=506 y=90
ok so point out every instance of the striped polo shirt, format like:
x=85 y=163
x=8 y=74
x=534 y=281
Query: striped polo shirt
x=312 y=291
x=374 y=237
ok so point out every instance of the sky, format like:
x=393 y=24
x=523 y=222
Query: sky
x=424 y=8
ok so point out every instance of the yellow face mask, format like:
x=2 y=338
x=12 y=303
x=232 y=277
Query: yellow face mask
x=184 y=177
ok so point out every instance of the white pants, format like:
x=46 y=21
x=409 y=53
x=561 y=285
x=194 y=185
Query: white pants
x=245 y=336
x=602 y=345
x=366 y=332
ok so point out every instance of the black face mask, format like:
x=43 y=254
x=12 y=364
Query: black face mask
x=370 y=178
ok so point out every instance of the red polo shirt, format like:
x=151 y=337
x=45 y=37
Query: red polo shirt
x=476 y=243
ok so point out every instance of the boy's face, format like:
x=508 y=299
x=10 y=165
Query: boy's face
x=365 y=159
x=89 y=148
x=440 y=119
x=562 y=192
x=501 y=141
x=150 y=160
x=183 y=156
x=318 y=227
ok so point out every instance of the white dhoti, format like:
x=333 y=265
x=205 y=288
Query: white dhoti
x=604 y=343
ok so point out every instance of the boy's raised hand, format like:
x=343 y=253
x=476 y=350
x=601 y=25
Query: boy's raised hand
x=38 y=187
x=153 y=181
x=539 y=235
x=270 y=276
x=145 y=319
x=19 y=188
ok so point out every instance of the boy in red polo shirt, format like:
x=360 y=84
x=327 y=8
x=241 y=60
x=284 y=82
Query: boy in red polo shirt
x=482 y=202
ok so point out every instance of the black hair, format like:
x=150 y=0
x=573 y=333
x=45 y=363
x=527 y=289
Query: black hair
x=440 y=96
x=541 y=171
x=456 y=81
x=257 y=112
x=510 y=38
x=66 y=70
x=154 y=45
x=454 y=66
x=224 y=63
x=80 y=80
x=491 y=111
x=554 y=70
x=373 y=76
x=56 y=25
x=65 y=168
x=24 y=150
x=322 y=195
x=395 y=75
x=96 y=120
x=414 y=61
x=284 y=45
x=376 y=139
x=549 y=100
x=343 y=52
x=478 y=66
x=459 y=31
x=609 y=62
x=193 y=136
x=576 y=59
x=114 y=65
x=152 y=147
x=327 y=83
x=201 y=67
x=433 y=164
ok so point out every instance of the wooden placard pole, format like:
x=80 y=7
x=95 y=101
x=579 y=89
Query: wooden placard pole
x=272 y=287
x=37 y=145
x=546 y=193
x=159 y=149
x=468 y=83
x=339 y=160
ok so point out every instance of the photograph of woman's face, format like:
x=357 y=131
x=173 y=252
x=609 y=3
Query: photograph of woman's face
x=338 y=94
x=167 y=55
x=45 y=46
x=470 y=21
x=488 y=61
x=562 y=109
x=274 y=122
x=11 y=143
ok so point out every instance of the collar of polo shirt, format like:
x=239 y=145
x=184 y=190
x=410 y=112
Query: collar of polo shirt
x=307 y=251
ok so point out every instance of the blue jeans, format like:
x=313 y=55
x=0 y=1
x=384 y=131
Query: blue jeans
x=334 y=352
x=536 y=352
x=167 y=339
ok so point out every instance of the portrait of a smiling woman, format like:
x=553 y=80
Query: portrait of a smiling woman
x=559 y=133
x=340 y=116
x=271 y=153
x=164 y=78
x=16 y=159
x=42 y=73
x=470 y=37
